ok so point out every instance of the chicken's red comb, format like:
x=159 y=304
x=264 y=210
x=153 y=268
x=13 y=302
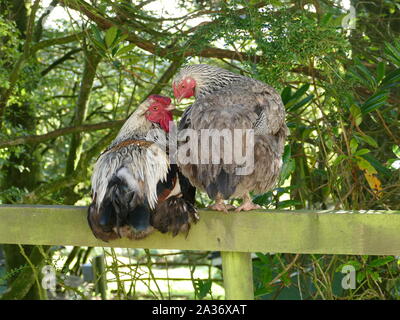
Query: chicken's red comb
x=161 y=99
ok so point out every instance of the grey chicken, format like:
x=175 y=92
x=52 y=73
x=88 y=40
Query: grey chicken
x=229 y=101
x=134 y=187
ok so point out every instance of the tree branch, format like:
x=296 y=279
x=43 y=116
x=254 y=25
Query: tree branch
x=61 y=132
x=207 y=52
x=170 y=52
x=92 y=60
x=62 y=40
x=67 y=56
x=39 y=25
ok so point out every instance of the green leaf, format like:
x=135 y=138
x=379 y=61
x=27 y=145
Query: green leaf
x=287 y=203
x=339 y=159
x=368 y=139
x=391 y=79
x=363 y=70
x=122 y=37
x=361 y=152
x=375 y=276
x=360 y=276
x=126 y=49
x=380 y=71
x=263 y=291
x=301 y=91
x=97 y=34
x=301 y=103
x=203 y=287
x=114 y=51
x=393 y=53
x=360 y=78
x=289 y=165
x=286 y=95
x=356 y=264
x=377 y=165
x=374 y=102
x=396 y=150
x=365 y=165
x=97 y=39
x=111 y=35
x=263 y=199
x=353 y=145
x=296 y=96
x=325 y=19
x=266 y=259
x=380 y=261
x=356 y=114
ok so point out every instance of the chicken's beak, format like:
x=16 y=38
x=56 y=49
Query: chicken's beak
x=171 y=107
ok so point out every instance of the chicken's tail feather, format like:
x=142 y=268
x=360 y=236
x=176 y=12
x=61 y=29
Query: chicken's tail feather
x=175 y=215
x=122 y=212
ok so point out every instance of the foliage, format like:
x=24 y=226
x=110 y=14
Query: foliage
x=340 y=88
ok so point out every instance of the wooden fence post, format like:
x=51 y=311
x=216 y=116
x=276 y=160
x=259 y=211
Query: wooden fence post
x=100 y=279
x=237 y=271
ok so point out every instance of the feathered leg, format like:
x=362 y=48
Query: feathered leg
x=247 y=204
x=219 y=205
x=174 y=215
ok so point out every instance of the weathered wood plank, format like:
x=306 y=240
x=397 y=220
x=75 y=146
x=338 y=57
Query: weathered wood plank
x=368 y=232
x=237 y=269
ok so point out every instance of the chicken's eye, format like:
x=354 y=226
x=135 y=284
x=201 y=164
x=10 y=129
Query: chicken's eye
x=183 y=86
x=155 y=108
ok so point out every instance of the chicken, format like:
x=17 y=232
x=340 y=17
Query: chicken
x=135 y=189
x=226 y=102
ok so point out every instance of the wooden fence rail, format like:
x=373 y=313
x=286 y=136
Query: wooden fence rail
x=236 y=235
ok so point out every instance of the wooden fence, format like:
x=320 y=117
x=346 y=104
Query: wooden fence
x=236 y=235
